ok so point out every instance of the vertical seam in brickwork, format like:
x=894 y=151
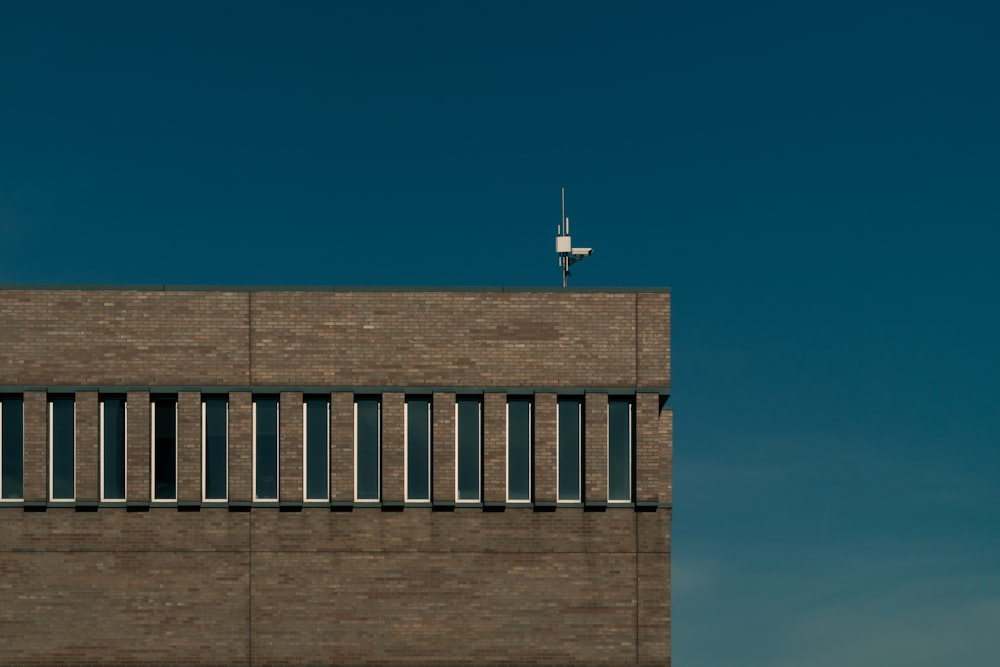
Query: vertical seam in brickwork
x=636 y=374
x=250 y=337
x=249 y=589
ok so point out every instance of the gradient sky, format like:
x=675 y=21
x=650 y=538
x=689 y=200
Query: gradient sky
x=816 y=182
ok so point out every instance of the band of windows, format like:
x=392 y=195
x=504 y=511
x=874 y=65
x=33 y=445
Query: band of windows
x=316 y=461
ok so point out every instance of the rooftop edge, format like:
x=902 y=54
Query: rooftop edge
x=324 y=288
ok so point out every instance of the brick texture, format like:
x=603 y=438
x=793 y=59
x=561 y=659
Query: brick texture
x=342 y=446
x=595 y=454
x=653 y=340
x=88 y=447
x=36 y=446
x=546 y=447
x=667 y=457
x=137 y=481
x=392 y=446
x=650 y=447
x=189 y=446
x=140 y=337
x=443 y=448
x=290 y=447
x=208 y=338
x=240 y=446
x=494 y=447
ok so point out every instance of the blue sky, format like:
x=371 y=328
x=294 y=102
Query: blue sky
x=817 y=183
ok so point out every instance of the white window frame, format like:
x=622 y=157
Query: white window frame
x=631 y=447
x=305 y=454
x=101 y=436
x=406 y=454
x=253 y=456
x=51 y=443
x=531 y=451
x=579 y=452
x=152 y=451
x=378 y=455
x=479 y=455
x=204 y=488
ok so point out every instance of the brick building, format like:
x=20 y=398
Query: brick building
x=335 y=476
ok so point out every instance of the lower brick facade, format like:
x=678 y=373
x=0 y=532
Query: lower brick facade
x=321 y=587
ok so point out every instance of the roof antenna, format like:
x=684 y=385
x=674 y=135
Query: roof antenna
x=568 y=255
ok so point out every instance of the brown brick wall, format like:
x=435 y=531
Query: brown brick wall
x=88 y=447
x=290 y=447
x=494 y=447
x=443 y=448
x=392 y=446
x=595 y=456
x=649 y=448
x=137 y=481
x=189 y=446
x=667 y=456
x=240 y=472
x=342 y=446
x=546 y=447
x=208 y=338
x=316 y=587
x=136 y=337
x=443 y=338
x=36 y=446
x=653 y=339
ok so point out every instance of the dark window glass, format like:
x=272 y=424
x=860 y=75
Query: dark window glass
x=418 y=460
x=12 y=452
x=468 y=448
x=165 y=449
x=619 y=449
x=63 y=453
x=569 y=448
x=317 y=448
x=114 y=448
x=367 y=445
x=266 y=448
x=215 y=448
x=519 y=449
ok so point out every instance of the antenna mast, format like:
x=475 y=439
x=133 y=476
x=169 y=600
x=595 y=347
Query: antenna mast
x=568 y=255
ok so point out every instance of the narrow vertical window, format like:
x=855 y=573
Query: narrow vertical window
x=620 y=449
x=265 y=452
x=215 y=443
x=418 y=449
x=570 y=440
x=113 y=448
x=316 y=457
x=519 y=432
x=12 y=448
x=367 y=441
x=164 y=426
x=62 y=448
x=468 y=445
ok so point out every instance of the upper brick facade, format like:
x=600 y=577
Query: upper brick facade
x=251 y=337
